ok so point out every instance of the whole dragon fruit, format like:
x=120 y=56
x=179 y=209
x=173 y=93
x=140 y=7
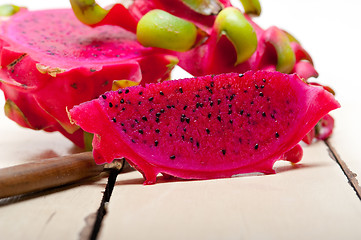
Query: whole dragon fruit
x=49 y=62
x=227 y=40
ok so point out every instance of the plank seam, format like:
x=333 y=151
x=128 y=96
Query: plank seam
x=102 y=210
x=351 y=176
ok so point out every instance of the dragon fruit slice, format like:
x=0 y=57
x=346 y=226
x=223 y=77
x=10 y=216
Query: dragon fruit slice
x=49 y=62
x=205 y=127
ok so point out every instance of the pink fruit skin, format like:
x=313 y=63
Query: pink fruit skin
x=271 y=112
x=49 y=62
x=218 y=55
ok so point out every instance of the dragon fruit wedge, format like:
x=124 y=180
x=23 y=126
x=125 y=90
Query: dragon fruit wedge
x=207 y=127
x=49 y=62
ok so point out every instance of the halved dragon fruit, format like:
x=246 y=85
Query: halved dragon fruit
x=49 y=61
x=205 y=127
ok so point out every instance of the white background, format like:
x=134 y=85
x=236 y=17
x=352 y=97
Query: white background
x=328 y=30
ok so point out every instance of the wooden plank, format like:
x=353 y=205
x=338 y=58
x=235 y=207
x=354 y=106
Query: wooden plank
x=309 y=200
x=55 y=214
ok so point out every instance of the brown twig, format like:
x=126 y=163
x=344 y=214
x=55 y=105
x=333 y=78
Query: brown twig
x=48 y=173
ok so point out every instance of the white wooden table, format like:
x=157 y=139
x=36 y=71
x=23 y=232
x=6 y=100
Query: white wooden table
x=309 y=200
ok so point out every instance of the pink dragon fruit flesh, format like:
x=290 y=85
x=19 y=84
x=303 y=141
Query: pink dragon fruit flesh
x=207 y=127
x=49 y=62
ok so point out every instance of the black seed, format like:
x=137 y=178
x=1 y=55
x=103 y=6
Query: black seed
x=248 y=114
x=208 y=131
x=256 y=146
x=114 y=119
x=183 y=137
x=262 y=86
x=277 y=135
x=264 y=80
x=219 y=101
x=74 y=85
x=252 y=102
x=180 y=89
x=209 y=115
x=231 y=97
x=133 y=141
x=157 y=130
x=183 y=115
x=162 y=110
x=272 y=116
x=191 y=139
x=212 y=84
x=169 y=106
x=144 y=118
x=170 y=135
x=224 y=151
x=110 y=105
x=207 y=87
x=161 y=93
x=219 y=118
x=197 y=95
x=188 y=120
x=151 y=110
x=123 y=109
x=241 y=112
x=211 y=103
x=157 y=114
x=184 y=129
x=210 y=90
x=231 y=121
x=197 y=105
x=229 y=105
x=240 y=140
x=185 y=107
x=263 y=114
x=139 y=103
x=151 y=98
x=140 y=131
x=104 y=97
x=136 y=121
x=173 y=106
x=241 y=75
x=230 y=111
x=126 y=90
x=122 y=124
x=124 y=130
x=122 y=100
x=245 y=91
x=256 y=86
x=157 y=119
x=140 y=93
x=182 y=119
x=172 y=157
x=156 y=143
x=197 y=144
x=261 y=94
